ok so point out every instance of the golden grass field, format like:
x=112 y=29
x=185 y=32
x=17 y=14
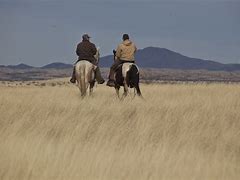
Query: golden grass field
x=180 y=131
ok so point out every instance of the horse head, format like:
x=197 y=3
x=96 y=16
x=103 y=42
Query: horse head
x=114 y=54
x=97 y=55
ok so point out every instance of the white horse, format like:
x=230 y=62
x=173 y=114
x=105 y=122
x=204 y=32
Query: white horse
x=85 y=75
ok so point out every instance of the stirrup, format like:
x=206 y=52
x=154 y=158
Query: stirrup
x=72 y=80
x=111 y=83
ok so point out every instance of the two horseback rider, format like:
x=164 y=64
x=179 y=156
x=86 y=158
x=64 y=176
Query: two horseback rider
x=86 y=51
x=125 y=53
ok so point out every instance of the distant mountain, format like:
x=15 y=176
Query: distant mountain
x=57 y=65
x=154 y=57
x=20 y=66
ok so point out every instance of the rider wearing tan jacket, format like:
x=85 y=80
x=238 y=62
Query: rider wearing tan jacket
x=125 y=53
x=126 y=50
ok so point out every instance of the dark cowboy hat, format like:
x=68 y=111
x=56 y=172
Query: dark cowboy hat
x=86 y=36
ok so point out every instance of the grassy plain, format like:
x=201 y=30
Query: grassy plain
x=180 y=131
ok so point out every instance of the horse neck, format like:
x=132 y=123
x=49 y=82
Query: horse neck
x=97 y=55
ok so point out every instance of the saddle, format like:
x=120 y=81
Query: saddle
x=120 y=65
x=93 y=63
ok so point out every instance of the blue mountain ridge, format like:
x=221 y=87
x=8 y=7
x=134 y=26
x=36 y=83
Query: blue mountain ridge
x=152 y=57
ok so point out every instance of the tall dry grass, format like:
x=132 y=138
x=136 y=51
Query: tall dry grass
x=178 y=132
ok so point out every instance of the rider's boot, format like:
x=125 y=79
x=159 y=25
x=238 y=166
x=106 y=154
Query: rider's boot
x=73 y=78
x=111 y=82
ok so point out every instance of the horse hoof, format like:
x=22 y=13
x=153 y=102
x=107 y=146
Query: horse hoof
x=101 y=82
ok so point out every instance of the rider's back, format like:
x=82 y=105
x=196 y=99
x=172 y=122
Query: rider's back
x=86 y=50
x=126 y=51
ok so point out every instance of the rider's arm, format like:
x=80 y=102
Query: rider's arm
x=118 y=52
x=77 y=52
x=94 y=49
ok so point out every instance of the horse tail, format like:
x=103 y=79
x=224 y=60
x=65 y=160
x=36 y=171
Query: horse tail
x=83 y=80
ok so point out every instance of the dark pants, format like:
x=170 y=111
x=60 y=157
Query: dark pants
x=98 y=75
x=115 y=66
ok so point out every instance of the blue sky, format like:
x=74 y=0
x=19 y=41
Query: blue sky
x=37 y=32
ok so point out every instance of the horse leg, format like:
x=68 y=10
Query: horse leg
x=138 y=90
x=117 y=90
x=91 y=87
x=125 y=89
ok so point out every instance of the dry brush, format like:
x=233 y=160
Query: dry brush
x=180 y=131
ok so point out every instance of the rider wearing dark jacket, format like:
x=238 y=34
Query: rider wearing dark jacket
x=86 y=51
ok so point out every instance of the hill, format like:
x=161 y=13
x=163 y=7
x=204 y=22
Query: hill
x=57 y=65
x=151 y=57
x=19 y=66
x=154 y=57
